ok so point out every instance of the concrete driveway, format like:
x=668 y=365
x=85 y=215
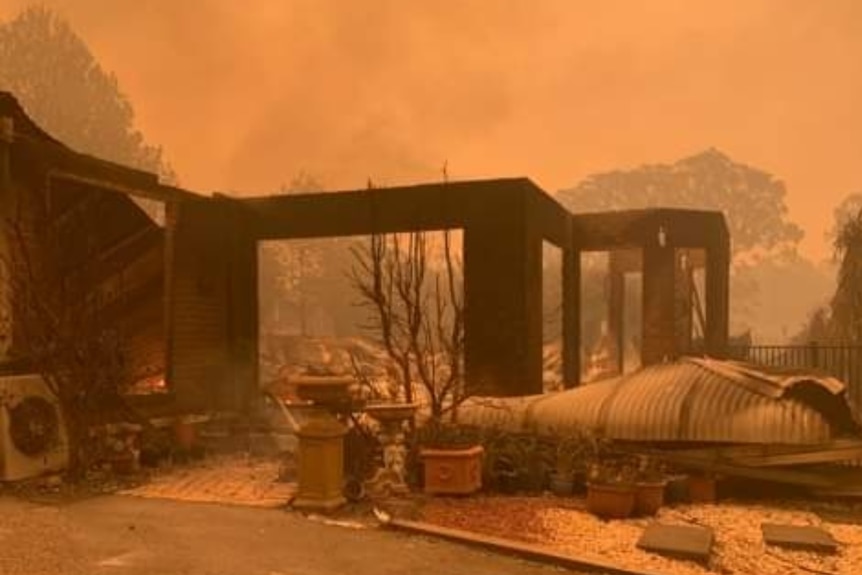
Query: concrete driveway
x=126 y=535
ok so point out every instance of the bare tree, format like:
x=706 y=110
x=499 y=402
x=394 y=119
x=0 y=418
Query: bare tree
x=418 y=315
x=63 y=330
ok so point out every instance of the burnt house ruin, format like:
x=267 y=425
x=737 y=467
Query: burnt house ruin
x=180 y=268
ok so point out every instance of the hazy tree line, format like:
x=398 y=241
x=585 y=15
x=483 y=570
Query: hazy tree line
x=52 y=72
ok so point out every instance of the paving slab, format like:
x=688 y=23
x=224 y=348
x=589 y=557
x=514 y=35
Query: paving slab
x=678 y=541
x=229 y=480
x=804 y=537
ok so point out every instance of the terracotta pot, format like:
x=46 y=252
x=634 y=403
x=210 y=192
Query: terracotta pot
x=610 y=501
x=701 y=489
x=185 y=434
x=649 y=497
x=452 y=471
x=125 y=465
x=562 y=485
x=677 y=489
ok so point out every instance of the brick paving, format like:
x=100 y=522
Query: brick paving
x=234 y=480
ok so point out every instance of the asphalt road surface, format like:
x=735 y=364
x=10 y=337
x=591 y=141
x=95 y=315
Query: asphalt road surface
x=128 y=536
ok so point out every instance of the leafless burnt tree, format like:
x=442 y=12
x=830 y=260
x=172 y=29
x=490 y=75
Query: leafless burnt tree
x=61 y=328
x=417 y=312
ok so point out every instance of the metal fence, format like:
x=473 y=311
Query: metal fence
x=843 y=362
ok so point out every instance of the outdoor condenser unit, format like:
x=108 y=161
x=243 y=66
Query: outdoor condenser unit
x=33 y=438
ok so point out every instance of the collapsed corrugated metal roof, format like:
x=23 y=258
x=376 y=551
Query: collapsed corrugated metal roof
x=695 y=400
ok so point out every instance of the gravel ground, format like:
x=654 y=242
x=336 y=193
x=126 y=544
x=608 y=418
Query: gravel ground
x=35 y=540
x=120 y=535
x=563 y=525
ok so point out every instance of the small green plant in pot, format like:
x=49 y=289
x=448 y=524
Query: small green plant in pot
x=563 y=477
x=651 y=482
x=611 y=490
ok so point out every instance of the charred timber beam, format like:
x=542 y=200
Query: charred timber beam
x=426 y=207
x=7 y=136
x=571 y=317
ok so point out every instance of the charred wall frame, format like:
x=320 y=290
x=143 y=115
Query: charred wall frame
x=210 y=263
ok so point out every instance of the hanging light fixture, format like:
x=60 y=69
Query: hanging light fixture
x=662 y=237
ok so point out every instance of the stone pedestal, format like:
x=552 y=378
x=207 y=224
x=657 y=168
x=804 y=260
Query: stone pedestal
x=321 y=464
x=321 y=444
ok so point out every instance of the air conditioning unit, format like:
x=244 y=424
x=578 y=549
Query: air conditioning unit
x=33 y=438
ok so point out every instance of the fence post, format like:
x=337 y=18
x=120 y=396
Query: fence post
x=813 y=355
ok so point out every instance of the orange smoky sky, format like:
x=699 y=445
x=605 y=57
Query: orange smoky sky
x=244 y=95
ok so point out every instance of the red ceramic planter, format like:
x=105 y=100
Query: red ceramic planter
x=452 y=471
x=611 y=501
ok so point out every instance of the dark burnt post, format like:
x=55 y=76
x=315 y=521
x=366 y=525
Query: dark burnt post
x=7 y=135
x=242 y=319
x=717 y=292
x=616 y=306
x=503 y=301
x=571 y=316
x=659 y=301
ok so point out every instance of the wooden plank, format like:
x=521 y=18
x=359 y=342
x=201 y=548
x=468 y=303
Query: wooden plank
x=778 y=475
x=525 y=550
x=772 y=455
x=803 y=458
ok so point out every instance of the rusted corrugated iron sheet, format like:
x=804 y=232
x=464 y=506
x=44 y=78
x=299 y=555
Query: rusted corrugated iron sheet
x=691 y=400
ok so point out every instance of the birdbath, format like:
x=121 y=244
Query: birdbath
x=321 y=442
x=390 y=479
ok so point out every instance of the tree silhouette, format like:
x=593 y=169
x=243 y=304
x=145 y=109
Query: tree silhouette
x=843 y=214
x=752 y=200
x=847 y=302
x=52 y=72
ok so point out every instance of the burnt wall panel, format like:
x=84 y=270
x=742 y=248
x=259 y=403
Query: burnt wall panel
x=198 y=303
x=242 y=328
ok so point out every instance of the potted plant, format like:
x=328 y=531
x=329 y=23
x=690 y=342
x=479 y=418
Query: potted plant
x=185 y=432
x=501 y=469
x=122 y=447
x=610 y=481
x=452 y=461
x=650 y=484
x=702 y=488
x=563 y=476
x=610 y=490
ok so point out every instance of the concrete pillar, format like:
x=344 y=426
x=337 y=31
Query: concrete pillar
x=503 y=306
x=571 y=317
x=658 y=304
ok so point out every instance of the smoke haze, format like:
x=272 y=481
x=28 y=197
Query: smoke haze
x=244 y=98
